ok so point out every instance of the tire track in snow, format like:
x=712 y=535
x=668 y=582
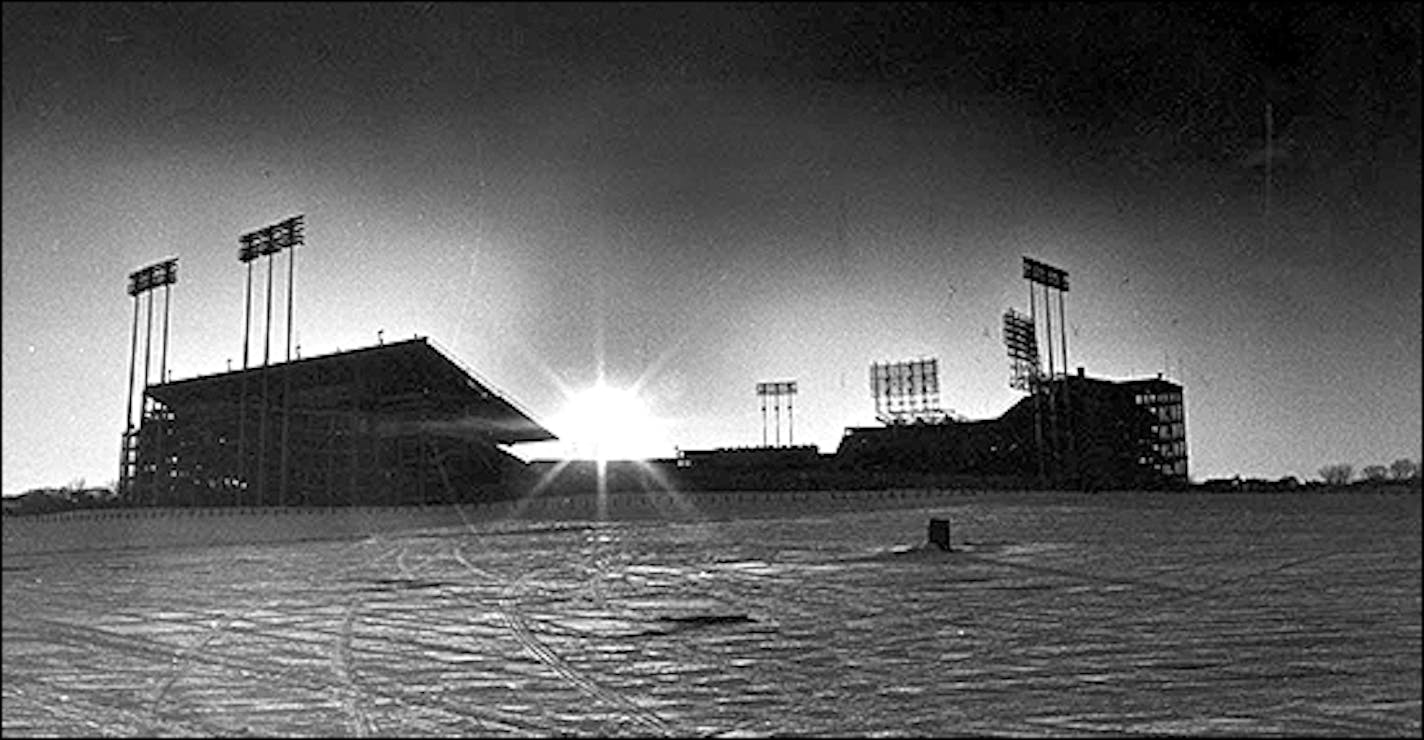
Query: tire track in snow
x=98 y=717
x=185 y=663
x=353 y=698
x=518 y=626
x=56 y=632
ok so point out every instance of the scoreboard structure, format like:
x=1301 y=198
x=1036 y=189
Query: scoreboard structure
x=906 y=392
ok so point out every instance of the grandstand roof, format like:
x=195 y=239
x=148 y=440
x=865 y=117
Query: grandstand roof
x=409 y=381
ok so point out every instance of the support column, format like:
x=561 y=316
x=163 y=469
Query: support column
x=243 y=482
x=776 y=401
x=763 y=420
x=287 y=377
x=1068 y=428
x=163 y=364
x=1036 y=389
x=124 y=472
x=143 y=399
x=266 y=395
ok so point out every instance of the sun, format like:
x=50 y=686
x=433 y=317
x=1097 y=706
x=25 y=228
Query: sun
x=605 y=423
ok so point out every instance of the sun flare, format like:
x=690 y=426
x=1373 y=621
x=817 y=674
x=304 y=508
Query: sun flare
x=605 y=423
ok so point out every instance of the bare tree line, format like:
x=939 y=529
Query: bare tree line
x=1339 y=474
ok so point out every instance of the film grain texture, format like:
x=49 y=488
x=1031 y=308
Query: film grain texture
x=1054 y=615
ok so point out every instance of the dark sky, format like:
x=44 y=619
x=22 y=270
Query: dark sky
x=689 y=199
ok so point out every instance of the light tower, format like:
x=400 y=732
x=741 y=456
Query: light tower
x=1054 y=391
x=143 y=281
x=777 y=390
x=1021 y=340
x=267 y=241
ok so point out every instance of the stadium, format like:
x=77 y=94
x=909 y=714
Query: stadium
x=407 y=423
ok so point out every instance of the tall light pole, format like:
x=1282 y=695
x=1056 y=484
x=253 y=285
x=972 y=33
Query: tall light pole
x=160 y=274
x=268 y=241
x=775 y=390
x=1052 y=278
x=1021 y=340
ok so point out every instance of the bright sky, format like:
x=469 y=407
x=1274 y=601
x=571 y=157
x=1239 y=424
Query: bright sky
x=690 y=199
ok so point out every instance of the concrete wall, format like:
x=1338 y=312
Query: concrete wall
x=182 y=527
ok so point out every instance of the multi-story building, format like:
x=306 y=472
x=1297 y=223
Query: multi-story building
x=1163 y=399
x=1072 y=431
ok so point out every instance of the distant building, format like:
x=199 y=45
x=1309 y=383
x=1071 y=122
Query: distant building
x=749 y=468
x=1073 y=432
x=1163 y=399
x=741 y=457
x=993 y=447
x=391 y=424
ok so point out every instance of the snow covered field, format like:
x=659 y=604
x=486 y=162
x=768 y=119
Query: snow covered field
x=1057 y=615
x=113 y=529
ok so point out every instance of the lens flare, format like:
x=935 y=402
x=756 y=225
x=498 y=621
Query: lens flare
x=604 y=423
